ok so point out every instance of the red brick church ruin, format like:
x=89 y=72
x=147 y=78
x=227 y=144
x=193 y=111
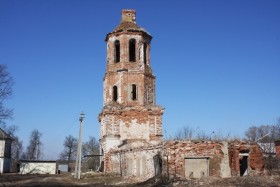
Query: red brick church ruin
x=131 y=121
x=130 y=114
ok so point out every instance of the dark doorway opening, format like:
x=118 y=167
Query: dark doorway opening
x=101 y=169
x=243 y=162
x=157 y=164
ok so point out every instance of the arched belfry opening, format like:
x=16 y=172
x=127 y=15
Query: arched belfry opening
x=117 y=52
x=132 y=48
x=145 y=53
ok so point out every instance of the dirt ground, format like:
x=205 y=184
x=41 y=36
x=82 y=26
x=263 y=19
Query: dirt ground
x=14 y=180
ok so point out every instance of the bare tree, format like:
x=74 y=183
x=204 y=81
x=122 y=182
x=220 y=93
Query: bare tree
x=188 y=133
x=251 y=133
x=201 y=135
x=6 y=83
x=91 y=146
x=91 y=152
x=70 y=148
x=185 y=133
x=34 y=149
x=278 y=129
x=16 y=143
x=17 y=148
x=262 y=134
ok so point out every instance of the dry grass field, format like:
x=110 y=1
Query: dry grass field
x=13 y=180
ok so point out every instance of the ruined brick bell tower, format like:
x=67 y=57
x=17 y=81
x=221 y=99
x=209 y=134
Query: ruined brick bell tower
x=130 y=115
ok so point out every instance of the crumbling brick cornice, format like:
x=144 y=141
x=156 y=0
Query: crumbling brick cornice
x=129 y=28
x=140 y=148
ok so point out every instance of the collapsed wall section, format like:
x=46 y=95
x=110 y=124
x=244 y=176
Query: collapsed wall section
x=185 y=159
x=246 y=158
x=178 y=153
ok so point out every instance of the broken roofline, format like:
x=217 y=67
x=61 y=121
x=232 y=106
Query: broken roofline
x=5 y=136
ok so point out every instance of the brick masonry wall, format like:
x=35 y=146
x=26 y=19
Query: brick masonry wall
x=138 y=163
x=178 y=150
x=133 y=123
x=256 y=160
x=138 y=159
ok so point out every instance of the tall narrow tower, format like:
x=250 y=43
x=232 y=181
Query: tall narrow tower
x=130 y=114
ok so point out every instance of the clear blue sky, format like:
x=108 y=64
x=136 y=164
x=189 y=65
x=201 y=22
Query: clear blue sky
x=217 y=63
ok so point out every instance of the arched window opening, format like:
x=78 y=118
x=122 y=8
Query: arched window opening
x=115 y=93
x=117 y=51
x=133 y=92
x=132 y=53
x=145 y=53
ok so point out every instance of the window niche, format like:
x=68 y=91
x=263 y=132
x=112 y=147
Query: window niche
x=115 y=93
x=132 y=52
x=145 y=53
x=134 y=92
x=117 y=51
